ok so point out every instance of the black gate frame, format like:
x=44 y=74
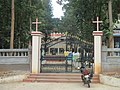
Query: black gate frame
x=85 y=50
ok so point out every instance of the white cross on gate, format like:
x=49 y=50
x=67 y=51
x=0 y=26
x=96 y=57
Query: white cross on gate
x=97 y=23
x=36 y=23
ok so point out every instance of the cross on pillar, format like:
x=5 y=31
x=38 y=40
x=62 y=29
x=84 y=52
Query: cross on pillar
x=97 y=23
x=36 y=23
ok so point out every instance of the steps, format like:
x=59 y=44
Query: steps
x=58 y=78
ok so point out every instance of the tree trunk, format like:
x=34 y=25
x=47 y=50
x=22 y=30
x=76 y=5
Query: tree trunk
x=30 y=18
x=110 y=24
x=12 y=26
x=30 y=27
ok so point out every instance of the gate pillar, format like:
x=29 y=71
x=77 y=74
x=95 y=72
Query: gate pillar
x=97 y=51
x=36 y=52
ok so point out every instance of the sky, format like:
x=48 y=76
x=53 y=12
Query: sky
x=57 y=9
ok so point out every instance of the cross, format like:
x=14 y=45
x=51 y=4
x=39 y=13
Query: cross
x=36 y=23
x=97 y=23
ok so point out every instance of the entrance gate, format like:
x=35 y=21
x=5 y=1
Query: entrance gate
x=83 y=56
x=56 y=64
x=36 y=46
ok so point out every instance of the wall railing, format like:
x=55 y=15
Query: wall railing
x=14 y=52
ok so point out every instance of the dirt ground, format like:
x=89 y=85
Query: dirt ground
x=55 y=86
x=11 y=70
x=6 y=70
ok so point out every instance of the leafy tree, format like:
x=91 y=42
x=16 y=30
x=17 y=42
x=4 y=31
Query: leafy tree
x=80 y=14
x=56 y=22
x=5 y=24
x=12 y=25
x=24 y=10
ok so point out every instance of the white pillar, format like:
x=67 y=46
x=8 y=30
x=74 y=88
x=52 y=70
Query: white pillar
x=97 y=51
x=36 y=52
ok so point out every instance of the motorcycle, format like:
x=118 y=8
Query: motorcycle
x=86 y=76
x=87 y=80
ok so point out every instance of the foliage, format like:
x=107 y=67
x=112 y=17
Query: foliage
x=79 y=15
x=24 y=10
x=77 y=21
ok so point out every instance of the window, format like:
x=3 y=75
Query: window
x=118 y=16
x=116 y=42
x=53 y=51
x=61 y=50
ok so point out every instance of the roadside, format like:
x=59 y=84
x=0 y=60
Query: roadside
x=7 y=70
x=14 y=74
x=54 y=86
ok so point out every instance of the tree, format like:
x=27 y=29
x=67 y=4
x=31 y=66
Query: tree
x=110 y=24
x=12 y=26
x=23 y=11
x=5 y=16
x=84 y=12
x=77 y=21
x=47 y=15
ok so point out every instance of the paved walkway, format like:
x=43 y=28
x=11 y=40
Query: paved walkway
x=54 y=86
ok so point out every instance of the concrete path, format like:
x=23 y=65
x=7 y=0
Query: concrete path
x=54 y=86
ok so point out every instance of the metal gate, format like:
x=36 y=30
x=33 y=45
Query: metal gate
x=82 y=55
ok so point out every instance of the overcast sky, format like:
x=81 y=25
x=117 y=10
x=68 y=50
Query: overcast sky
x=57 y=9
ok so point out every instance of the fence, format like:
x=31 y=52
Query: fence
x=15 y=56
x=110 y=59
